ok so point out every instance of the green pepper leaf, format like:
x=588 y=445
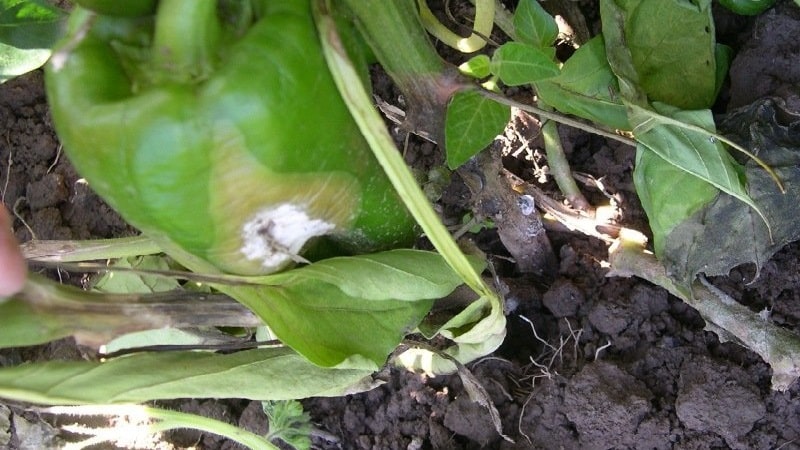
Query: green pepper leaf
x=28 y=30
x=726 y=233
x=261 y=374
x=586 y=87
x=472 y=123
x=350 y=311
x=723 y=56
x=533 y=25
x=289 y=423
x=27 y=24
x=671 y=48
x=517 y=64
x=128 y=282
x=669 y=195
x=401 y=274
x=477 y=67
x=665 y=133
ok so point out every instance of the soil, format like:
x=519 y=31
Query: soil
x=590 y=361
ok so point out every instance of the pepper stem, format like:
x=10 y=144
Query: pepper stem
x=187 y=33
x=394 y=31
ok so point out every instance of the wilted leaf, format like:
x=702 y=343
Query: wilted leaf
x=261 y=374
x=476 y=331
x=669 y=195
x=518 y=64
x=664 y=131
x=472 y=123
x=728 y=233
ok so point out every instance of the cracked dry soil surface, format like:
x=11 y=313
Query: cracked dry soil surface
x=590 y=362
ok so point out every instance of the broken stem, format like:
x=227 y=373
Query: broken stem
x=75 y=251
x=778 y=347
x=45 y=311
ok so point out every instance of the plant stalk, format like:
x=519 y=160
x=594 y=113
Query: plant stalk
x=778 y=347
x=487 y=334
x=186 y=36
x=160 y=420
x=45 y=311
x=400 y=42
x=559 y=166
x=75 y=251
x=483 y=24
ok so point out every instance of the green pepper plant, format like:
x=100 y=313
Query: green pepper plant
x=240 y=138
x=217 y=129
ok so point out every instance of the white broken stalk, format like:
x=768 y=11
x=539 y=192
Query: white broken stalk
x=778 y=347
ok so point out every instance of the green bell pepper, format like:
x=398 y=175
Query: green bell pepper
x=126 y=8
x=747 y=7
x=216 y=129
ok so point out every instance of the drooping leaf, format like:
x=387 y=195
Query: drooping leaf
x=261 y=374
x=28 y=30
x=671 y=45
x=727 y=233
x=125 y=282
x=476 y=330
x=586 y=87
x=692 y=150
x=15 y=62
x=669 y=195
x=168 y=336
x=517 y=64
x=533 y=25
x=472 y=123
x=350 y=311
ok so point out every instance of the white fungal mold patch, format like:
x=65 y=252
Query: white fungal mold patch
x=276 y=235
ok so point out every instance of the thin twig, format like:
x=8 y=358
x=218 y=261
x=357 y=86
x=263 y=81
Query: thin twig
x=58 y=156
x=555 y=117
x=8 y=176
x=15 y=211
x=601 y=348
